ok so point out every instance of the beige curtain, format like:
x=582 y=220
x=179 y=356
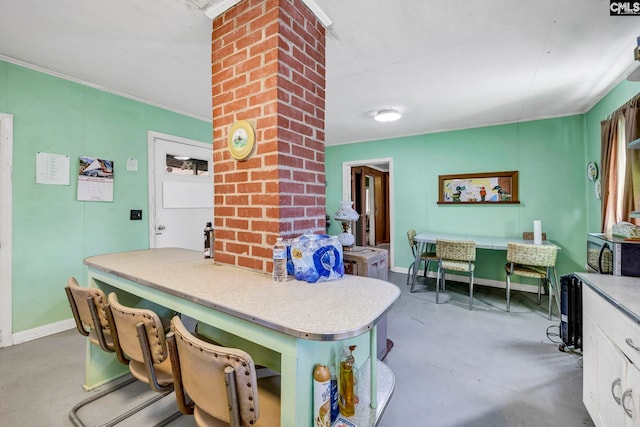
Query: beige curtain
x=609 y=168
x=631 y=200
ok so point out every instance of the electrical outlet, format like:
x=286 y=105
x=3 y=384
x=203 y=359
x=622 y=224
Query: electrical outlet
x=135 y=214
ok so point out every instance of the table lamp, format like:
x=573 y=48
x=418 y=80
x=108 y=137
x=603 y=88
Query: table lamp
x=346 y=214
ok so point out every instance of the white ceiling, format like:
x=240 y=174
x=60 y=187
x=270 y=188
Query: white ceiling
x=444 y=64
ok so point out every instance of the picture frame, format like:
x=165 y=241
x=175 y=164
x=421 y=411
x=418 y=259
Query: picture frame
x=488 y=188
x=241 y=140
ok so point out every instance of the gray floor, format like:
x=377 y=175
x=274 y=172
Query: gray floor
x=453 y=367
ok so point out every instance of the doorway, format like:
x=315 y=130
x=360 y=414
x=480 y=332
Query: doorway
x=180 y=191
x=369 y=184
x=6 y=165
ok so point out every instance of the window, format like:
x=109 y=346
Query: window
x=185 y=165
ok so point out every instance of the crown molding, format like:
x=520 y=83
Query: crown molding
x=219 y=8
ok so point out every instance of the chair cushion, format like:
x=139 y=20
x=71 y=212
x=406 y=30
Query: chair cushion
x=107 y=337
x=458 y=265
x=163 y=371
x=429 y=256
x=526 y=270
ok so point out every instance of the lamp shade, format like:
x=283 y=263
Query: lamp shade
x=346 y=212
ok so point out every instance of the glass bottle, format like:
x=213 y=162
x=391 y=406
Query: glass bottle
x=208 y=241
x=347 y=401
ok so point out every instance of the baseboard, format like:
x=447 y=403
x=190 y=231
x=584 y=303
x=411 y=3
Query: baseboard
x=43 y=331
x=476 y=280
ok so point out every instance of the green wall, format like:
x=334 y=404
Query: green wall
x=52 y=231
x=548 y=154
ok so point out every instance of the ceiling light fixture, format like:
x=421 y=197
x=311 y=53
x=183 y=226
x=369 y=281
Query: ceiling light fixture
x=385 y=116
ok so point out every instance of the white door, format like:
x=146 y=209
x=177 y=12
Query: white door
x=6 y=165
x=180 y=191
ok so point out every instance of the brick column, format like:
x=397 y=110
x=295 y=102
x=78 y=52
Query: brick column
x=268 y=67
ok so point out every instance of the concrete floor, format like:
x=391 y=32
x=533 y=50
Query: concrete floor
x=453 y=367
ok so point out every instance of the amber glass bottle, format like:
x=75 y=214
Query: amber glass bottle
x=347 y=393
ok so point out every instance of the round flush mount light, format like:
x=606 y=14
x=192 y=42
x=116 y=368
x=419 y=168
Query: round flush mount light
x=385 y=116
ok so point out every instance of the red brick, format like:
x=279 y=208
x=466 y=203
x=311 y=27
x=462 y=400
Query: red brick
x=249 y=237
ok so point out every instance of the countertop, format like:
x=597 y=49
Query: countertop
x=621 y=291
x=333 y=310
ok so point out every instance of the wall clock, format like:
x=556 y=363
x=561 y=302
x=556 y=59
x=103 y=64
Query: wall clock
x=241 y=140
x=592 y=171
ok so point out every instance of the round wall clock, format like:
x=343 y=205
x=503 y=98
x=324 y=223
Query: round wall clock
x=242 y=140
x=592 y=171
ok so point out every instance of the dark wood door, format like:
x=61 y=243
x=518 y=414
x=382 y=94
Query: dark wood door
x=378 y=183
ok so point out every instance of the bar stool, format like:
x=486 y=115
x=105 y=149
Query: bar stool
x=221 y=383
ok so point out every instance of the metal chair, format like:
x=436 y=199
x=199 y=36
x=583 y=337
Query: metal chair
x=455 y=255
x=426 y=257
x=88 y=308
x=536 y=261
x=139 y=337
x=219 y=385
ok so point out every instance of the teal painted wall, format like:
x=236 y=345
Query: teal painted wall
x=52 y=231
x=548 y=154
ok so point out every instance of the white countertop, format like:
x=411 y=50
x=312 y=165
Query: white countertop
x=621 y=291
x=332 y=310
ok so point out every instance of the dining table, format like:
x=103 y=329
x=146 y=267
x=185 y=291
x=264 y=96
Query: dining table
x=426 y=240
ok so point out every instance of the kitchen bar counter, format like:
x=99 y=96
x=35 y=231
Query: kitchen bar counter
x=622 y=292
x=301 y=323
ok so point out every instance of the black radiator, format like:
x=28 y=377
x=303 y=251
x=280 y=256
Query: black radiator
x=571 y=311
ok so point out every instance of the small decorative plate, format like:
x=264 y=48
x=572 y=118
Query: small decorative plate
x=242 y=140
x=592 y=171
x=598 y=190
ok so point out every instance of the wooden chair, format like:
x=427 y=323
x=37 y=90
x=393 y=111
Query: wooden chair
x=219 y=385
x=455 y=255
x=536 y=261
x=425 y=257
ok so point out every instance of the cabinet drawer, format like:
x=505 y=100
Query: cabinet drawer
x=621 y=330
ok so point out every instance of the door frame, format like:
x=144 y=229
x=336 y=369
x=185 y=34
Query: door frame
x=6 y=191
x=346 y=194
x=151 y=138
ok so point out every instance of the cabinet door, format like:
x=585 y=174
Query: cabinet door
x=590 y=366
x=631 y=397
x=612 y=379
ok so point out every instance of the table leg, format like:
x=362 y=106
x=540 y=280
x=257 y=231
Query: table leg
x=373 y=362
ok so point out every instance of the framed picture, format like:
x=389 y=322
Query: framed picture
x=478 y=188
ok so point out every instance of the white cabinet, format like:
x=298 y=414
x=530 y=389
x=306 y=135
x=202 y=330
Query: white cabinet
x=611 y=380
